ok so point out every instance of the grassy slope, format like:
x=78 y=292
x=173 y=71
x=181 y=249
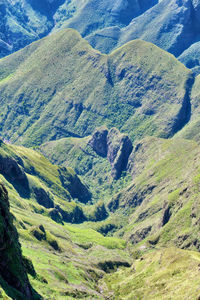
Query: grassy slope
x=70 y=259
x=75 y=89
x=166 y=174
x=162 y=274
x=166 y=178
x=92 y=168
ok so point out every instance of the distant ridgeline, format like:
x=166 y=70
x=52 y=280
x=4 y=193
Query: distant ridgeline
x=170 y=24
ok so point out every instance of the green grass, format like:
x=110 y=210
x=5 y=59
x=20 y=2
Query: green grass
x=64 y=268
x=138 y=88
x=160 y=274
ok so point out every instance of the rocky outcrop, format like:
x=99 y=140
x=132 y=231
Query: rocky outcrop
x=166 y=214
x=12 y=270
x=13 y=172
x=98 y=142
x=73 y=184
x=56 y=216
x=41 y=234
x=43 y=198
x=119 y=149
x=140 y=234
x=114 y=145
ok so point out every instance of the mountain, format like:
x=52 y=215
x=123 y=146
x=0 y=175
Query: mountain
x=115 y=212
x=170 y=24
x=75 y=89
x=24 y=21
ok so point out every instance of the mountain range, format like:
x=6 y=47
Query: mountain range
x=99 y=150
x=172 y=25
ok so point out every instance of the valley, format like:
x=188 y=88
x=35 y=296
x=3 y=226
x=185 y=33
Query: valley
x=99 y=150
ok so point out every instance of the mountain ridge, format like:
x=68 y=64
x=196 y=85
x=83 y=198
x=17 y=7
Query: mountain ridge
x=129 y=74
x=174 y=24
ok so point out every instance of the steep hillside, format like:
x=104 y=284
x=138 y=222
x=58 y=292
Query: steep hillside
x=161 y=274
x=75 y=89
x=157 y=214
x=161 y=196
x=100 y=159
x=63 y=260
x=14 y=283
x=23 y=22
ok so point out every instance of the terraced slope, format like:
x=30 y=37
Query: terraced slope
x=138 y=88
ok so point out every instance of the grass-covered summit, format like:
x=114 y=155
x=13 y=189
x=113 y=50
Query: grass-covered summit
x=60 y=86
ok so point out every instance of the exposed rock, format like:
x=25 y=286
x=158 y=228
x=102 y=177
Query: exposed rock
x=140 y=235
x=109 y=266
x=56 y=215
x=98 y=141
x=14 y=173
x=29 y=266
x=113 y=145
x=119 y=149
x=73 y=184
x=12 y=269
x=43 y=198
x=39 y=232
x=166 y=214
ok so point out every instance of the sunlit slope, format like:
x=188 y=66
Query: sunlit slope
x=160 y=274
x=162 y=203
x=67 y=259
x=60 y=87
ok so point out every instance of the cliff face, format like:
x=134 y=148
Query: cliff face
x=13 y=277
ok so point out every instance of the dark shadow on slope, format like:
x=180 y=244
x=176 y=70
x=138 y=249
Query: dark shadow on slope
x=184 y=114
